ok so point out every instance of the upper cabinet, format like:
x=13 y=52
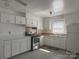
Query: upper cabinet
x=35 y=23
x=20 y=20
x=4 y=18
x=23 y=21
x=7 y=18
x=31 y=22
x=12 y=19
x=40 y=24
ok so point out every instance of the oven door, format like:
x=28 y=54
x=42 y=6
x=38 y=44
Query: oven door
x=35 y=43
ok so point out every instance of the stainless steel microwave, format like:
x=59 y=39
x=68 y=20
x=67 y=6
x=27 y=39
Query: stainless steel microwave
x=30 y=31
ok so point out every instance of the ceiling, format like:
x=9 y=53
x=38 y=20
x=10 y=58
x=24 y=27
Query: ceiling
x=42 y=8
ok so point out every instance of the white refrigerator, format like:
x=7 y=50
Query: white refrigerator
x=73 y=37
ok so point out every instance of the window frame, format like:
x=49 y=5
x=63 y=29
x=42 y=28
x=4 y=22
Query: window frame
x=57 y=20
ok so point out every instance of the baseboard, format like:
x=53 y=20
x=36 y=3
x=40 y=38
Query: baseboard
x=19 y=54
x=56 y=48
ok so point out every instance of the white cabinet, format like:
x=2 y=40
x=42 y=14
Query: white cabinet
x=35 y=22
x=41 y=41
x=73 y=37
x=4 y=18
x=11 y=19
x=40 y=24
x=20 y=20
x=29 y=22
x=28 y=43
x=72 y=28
x=55 y=41
x=7 y=18
x=23 y=45
x=32 y=22
x=7 y=48
x=15 y=47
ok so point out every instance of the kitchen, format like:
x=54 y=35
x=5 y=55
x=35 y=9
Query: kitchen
x=22 y=21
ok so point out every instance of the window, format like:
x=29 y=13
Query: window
x=58 y=27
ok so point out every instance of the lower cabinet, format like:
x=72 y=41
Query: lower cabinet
x=55 y=41
x=23 y=45
x=7 y=48
x=28 y=43
x=16 y=46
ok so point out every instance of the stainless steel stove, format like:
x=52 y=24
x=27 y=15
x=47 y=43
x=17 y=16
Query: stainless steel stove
x=35 y=42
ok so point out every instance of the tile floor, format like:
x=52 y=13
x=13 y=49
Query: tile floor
x=46 y=54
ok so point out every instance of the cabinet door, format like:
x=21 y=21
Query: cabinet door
x=29 y=22
x=28 y=43
x=40 y=24
x=4 y=18
x=18 y=20
x=22 y=20
x=35 y=22
x=12 y=19
x=23 y=45
x=41 y=41
x=15 y=47
x=7 y=48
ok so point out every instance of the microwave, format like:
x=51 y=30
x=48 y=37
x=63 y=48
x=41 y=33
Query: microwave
x=30 y=31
